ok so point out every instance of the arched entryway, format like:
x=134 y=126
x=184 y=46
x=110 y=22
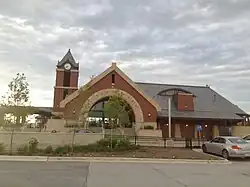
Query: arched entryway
x=106 y=93
x=98 y=118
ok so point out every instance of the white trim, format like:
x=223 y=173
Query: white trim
x=184 y=93
x=61 y=69
x=65 y=87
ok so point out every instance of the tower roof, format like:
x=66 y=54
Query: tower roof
x=68 y=57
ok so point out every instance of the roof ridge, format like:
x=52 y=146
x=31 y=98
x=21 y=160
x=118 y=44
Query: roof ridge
x=196 y=86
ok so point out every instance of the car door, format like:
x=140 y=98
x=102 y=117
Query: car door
x=212 y=147
x=221 y=145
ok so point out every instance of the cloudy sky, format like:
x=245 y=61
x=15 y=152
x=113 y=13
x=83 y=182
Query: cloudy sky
x=195 y=42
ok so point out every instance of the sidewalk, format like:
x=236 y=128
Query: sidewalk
x=109 y=159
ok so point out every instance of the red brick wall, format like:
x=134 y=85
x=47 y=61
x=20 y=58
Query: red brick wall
x=58 y=92
x=185 y=102
x=121 y=84
x=59 y=78
x=58 y=96
x=74 y=79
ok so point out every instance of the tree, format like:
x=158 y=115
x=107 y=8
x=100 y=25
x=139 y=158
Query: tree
x=17 y=97
x=117 y=110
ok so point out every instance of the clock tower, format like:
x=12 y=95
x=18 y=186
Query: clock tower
x=67 y=74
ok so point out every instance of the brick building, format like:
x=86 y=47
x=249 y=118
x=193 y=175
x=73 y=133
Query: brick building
x=192 y=107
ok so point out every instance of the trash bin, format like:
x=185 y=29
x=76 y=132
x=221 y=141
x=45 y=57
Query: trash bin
x=189 y=143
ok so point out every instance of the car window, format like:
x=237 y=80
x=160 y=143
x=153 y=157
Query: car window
x=238 y=140
x=222 y=140
x=247 y=137
x=215 y=140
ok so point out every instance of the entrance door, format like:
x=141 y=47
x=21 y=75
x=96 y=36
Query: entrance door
x=207 y=132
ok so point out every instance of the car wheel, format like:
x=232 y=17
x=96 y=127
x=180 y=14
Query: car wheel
x=204 y=148
x=225 y=154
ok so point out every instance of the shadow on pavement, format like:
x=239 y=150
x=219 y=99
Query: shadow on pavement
x=233 y=159
x=240 y=159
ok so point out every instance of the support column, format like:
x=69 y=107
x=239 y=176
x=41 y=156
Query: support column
x=177 y=131
x=169 y=117
x=195 y=132
x=215 y=130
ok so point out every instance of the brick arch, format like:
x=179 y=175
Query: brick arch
x=110 y=92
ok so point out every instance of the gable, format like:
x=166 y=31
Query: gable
x=113 y=69
x=104 y=82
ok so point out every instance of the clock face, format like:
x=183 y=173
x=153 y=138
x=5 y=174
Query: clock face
x=67 y=66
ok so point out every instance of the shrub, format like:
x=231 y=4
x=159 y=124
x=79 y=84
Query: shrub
x=103 y=145
x=79 y=148
x=2 y=147
x=23 y=150
x=149 y=127
x=48 y=150
x=118 y=144
x=63 y=149
x=33 y=144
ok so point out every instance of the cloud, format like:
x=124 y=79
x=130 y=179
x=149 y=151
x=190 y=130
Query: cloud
x=181 y=42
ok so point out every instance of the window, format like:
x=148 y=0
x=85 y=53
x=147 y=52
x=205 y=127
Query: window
x=215 y=140
x=247 y=137
x=113 y=78
x=222 y=140
x=238 y=141
x=65 y=93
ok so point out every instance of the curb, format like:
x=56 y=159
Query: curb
x=217 y=157
x=109 y=159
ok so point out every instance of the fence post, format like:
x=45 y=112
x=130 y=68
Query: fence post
x=11 y=140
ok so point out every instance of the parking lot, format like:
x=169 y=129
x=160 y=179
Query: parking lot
x=84 y=174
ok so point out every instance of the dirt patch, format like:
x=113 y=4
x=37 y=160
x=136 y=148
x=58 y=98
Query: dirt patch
x=152 y=152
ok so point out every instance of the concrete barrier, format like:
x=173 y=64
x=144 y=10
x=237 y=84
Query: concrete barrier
x=45 y=139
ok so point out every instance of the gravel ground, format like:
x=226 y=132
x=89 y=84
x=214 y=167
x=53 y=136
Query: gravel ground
x=155 y=152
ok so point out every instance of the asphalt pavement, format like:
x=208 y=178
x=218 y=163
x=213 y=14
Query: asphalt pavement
x=99 y=174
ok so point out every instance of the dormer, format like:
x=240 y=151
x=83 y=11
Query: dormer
x=183 y=99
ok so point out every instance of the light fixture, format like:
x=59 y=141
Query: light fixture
x=167 y=124
x=149 y=114
x=206 y=126
x=186 y=125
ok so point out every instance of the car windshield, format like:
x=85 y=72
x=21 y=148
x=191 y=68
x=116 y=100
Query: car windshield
x=238 y=140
